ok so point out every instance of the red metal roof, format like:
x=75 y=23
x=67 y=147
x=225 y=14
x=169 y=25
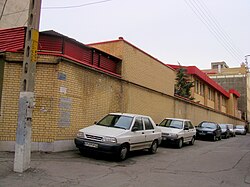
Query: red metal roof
x=51 y=42
x=233 y=91
x=122 y=39
x=193 y=70
x=12 y=39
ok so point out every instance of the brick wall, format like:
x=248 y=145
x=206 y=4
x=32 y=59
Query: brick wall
x=141 y=68
x=69 y=96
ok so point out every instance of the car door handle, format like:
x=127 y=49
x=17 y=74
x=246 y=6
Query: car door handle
x=142 y=132
x=153 y=131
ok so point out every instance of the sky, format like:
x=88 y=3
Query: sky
x=189 y=32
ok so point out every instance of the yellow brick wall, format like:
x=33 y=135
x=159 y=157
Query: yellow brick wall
x=141 y=68
x=10 y=97
x=143 y=101
x=92 y=94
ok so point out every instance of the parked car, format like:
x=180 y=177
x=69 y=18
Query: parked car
x=119 y=133
x=177 y=131
x=240 y=129
x=209 y=130
x=225 y=131
x=232 y=130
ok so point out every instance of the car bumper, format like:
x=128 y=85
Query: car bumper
x=169 y=139
x=204 y=135
x=85 y=144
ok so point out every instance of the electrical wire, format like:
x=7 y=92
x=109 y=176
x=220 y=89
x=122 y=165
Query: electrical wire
x=204 y=18
x=63 y=7
x=3 y=9
x=215 y=31
x=77 y=6
x=224 y=33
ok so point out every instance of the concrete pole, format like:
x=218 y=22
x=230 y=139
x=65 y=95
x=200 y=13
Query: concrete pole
x=24 y=128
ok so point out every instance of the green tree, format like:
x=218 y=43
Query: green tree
x=183 y=84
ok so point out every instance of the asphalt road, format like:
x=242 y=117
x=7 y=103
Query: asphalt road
x=221 y=163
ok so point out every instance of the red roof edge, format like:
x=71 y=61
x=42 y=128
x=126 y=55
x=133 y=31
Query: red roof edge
x=193 y=70
x=235 y=92
x=121 y=39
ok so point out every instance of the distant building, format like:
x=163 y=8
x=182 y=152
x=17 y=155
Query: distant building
x=208 y=93
x=14 y=13
x=236 y=78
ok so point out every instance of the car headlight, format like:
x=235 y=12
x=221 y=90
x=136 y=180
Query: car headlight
x=109 y=139
x=174 y=135
x=80 y=134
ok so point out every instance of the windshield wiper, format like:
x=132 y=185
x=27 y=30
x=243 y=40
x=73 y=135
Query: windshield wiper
x=120 y=127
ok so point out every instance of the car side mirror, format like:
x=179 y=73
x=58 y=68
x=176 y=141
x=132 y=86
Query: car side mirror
x=186 y=128
x=135 y=129
x=95 y=122
x=157 y=124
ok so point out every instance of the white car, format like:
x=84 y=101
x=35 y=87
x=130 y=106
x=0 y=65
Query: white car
x=119 y=133
x=240 y=129
x=177 y=131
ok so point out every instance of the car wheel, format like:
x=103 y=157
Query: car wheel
x=153 y=147
x=220 y=137
x=122 y=155
x=180 y=143
x=214 y=138
x=192 y=141
x=81 y=151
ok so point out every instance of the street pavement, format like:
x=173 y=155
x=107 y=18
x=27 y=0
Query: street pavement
x=222 y=163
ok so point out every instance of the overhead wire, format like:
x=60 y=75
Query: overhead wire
x=213 y=30
x=3 y=9
x=58 y=7
x=225 y=34
x=218 y=31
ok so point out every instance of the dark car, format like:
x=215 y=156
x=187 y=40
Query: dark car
x=208 y=130
x=225 y=131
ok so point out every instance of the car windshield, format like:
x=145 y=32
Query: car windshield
x=223 y=126
x=171 y=123
x=116 y=121
x=240 y=127
x=207 y=125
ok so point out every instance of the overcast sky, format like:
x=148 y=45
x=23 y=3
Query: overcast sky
x=191 y=32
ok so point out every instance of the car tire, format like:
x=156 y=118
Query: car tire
x=81 y=151
x=123 y=152
x=153 y=147
x=192 y=141
x=214 y=138
x=180 y=143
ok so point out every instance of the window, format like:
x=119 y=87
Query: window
x=223 y=101
x=186 y=125
x=190 y=125
x=148 y=124
x=211 y=94
x=197 y=87
x=1 y=81
x=138 y=124
x=201 y=89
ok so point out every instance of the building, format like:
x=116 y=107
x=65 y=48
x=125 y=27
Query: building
x=236 y=78
x=209 y=93
x=14 y=13
x=75 y=85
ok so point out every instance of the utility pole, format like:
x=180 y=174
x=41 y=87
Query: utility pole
x=24 y=126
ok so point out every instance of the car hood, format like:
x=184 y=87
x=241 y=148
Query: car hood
x=103 y=131
x=205 y=129
x=170 y=130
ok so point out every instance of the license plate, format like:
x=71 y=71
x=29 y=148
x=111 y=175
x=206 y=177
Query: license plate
x=88 y=144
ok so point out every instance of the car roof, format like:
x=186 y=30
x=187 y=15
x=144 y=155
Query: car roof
x=179 y=119
x=128 y=114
